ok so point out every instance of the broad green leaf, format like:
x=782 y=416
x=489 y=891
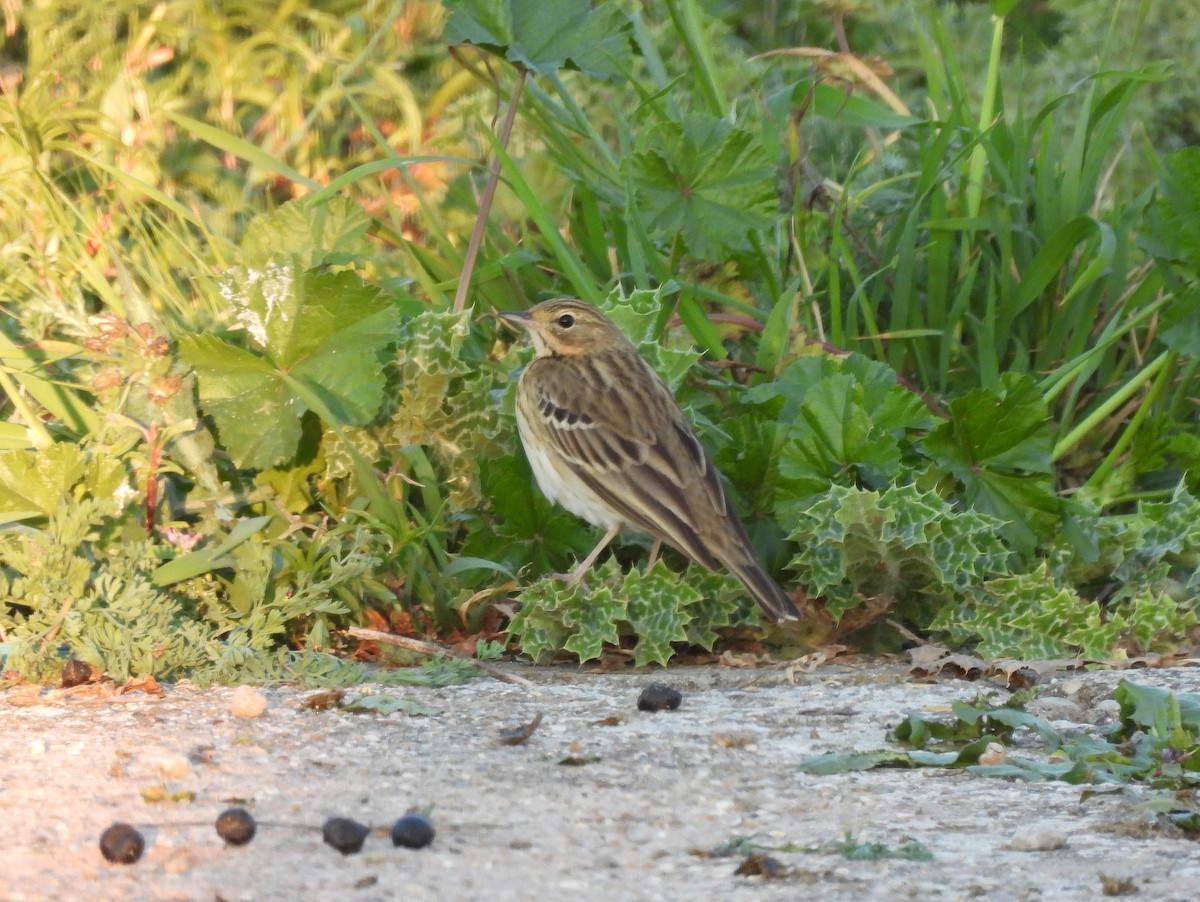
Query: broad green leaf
x=528 y=529
x=834 y=435
x=852 y=762
x=1151 y=708
x=1175 y=220
x=390 y=704
x=316 y=234
x=257 y=418
x=543 y=37
x=38 y=481
x=320 y=335
x=852 y=111
x=706 y=180
x=998 y=445
x=1181 y=322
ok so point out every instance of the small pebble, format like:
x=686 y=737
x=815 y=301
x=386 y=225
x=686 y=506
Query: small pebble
x=247 y=702
x=995 y=754
x=1038 y=841
x=659 y=697
x=173 y=766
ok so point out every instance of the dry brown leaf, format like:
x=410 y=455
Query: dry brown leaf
x=147 y=684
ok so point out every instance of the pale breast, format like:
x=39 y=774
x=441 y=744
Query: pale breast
x=560 y=484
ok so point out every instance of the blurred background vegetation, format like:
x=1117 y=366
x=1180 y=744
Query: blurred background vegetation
x=924 y=274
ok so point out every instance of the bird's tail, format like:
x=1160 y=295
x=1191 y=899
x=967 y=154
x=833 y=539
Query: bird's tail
x=775 y=603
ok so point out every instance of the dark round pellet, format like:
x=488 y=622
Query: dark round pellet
x=122 y=844
x=657 y=697
x=413 y=831
x=76 y=673
x=236 y=826
x=345 y=835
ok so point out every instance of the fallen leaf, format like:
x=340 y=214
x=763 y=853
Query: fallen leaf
x=518 y=734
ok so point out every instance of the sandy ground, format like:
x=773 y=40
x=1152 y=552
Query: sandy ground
x=515 y=823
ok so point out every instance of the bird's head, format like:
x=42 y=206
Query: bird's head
x=565 y=327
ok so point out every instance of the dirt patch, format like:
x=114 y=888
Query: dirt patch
x=647 y=796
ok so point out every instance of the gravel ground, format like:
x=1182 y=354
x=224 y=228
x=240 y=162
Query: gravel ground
x=514 y=822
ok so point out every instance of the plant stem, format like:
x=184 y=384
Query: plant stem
x=489 y=192
x=1127 y=391
x=1134 y=424
x=986 y=111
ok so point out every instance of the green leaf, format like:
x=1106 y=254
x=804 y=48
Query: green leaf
x=638 y=315
x=903 y=543
x=206 y=560
x=1031 y=615
x=596 y=622
x=527 y=530
x=34 y=483
x=543 y=37
x=843 y=420
x=657 y=610
x=1181 y=323
x=256 y=416
x=706 y=180
x=1175 y=219
x=998 y=445
x=550 y=613
x=390 y=704
x=331 y=232
x=1150 y=708
x=320 y=333
x=852 y=762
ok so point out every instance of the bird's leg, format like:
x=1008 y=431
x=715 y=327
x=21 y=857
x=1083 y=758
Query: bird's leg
x=576 y=575
x=654 y=549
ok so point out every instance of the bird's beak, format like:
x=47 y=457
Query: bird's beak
x=518 y=319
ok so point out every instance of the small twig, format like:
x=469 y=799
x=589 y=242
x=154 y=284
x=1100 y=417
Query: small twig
x=429 y=648
x=489 y=192
x=905 y=632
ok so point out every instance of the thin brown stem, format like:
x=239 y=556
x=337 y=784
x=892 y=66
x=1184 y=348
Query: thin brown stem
x=489 y=192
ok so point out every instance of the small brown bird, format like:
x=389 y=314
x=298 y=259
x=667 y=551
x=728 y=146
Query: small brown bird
x=608 y=442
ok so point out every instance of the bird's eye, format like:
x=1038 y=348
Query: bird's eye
x=566 y=321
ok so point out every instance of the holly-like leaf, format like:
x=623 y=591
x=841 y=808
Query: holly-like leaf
x=901 y=543
x=657 y=609
x=543 y=37
x=556 y=615
x=638 y=316
x=707 y=180
x=320 y=336
x=596 y=622
x=1030 y=615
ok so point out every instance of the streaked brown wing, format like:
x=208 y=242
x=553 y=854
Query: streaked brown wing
x=615 y=422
